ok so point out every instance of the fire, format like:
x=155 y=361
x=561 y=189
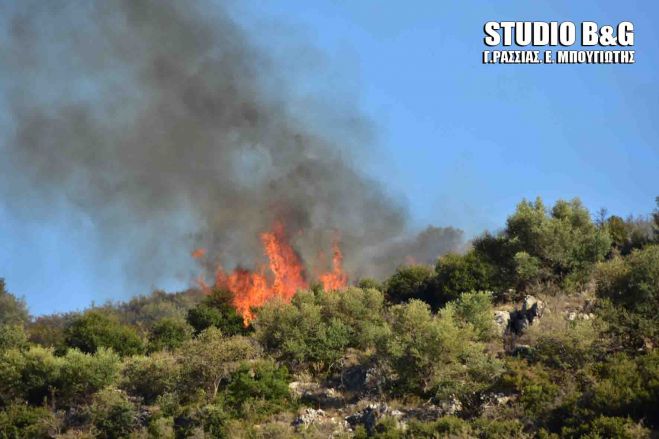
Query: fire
x=283 y=276
x=198 y=253
x=284 y=263
x=335 y=279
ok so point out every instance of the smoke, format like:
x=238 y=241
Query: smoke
x=170 y=130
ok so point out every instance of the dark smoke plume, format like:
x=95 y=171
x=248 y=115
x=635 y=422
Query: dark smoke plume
x=170 y=129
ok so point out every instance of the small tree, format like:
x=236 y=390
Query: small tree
x=211 y=358
x=12 y=310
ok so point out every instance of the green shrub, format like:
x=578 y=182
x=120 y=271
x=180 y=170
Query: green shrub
x=315 y=329
x=29 y=375
x=457 y=274
x=83 y=374
x=607 y=427
x=93 y=330
x=632 y=281
x=22 y=421
x=152 y=376
x=112 y=414
x=498 y=428
x=411 y=282
x=217 y=311
x=12 y=336
x=210 y=359
x=569 y=349
x=169 y=334
x=262 y=386
x=475 y=308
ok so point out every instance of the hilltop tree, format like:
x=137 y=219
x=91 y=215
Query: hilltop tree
x=540 y=244
x=12 y=310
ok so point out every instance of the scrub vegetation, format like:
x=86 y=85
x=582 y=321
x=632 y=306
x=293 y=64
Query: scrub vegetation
x=548 y=328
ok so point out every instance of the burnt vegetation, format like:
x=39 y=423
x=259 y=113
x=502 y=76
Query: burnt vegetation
x=547 y=328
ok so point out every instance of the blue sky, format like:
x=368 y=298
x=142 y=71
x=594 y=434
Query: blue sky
x=459 y=141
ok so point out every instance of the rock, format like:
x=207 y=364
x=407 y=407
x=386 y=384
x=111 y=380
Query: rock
x=532 y=308
x=299 y=388
x=368 y=417
x=518 y=321
x=328 y=424
x=502 y=319
x=451 y=407
x=308 y=417
x=571 y=316
x=315 y=394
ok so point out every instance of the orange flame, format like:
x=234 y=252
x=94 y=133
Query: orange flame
x=252 y=289
x=284 y=263
x=198 y=253
x=335 y=279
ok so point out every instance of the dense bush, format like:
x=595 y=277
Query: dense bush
x=411 y=282
x=169 y=334
x=315 y=329
x=152 y=376
x=457 y=274
x=633 y=281
x=216 y=311
x=93 y=330
x=257 y=389
x=23 y=421
x=113 y=415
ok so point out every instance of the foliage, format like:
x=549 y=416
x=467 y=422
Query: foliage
x=457 y=274
x=633 y=281
x=258 y=389
x=423 y=342
x=542 y=245
x=23 y=421
x=316 y=328
x=112 y=414
x=211 y=358
x=433 y=353
x=12 y=310
x=28 y=375
x=216 y=311
x=12 y=336
x=475 y=308
x=151 y=376
x=36 y=375
x=93 y=330
x=411 y=282
x=81 y=374
x=168 y=334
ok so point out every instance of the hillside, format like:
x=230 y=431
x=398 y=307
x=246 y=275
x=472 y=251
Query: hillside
x=548 y=328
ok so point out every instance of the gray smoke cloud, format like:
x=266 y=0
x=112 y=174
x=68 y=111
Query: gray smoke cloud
x=170 y=129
